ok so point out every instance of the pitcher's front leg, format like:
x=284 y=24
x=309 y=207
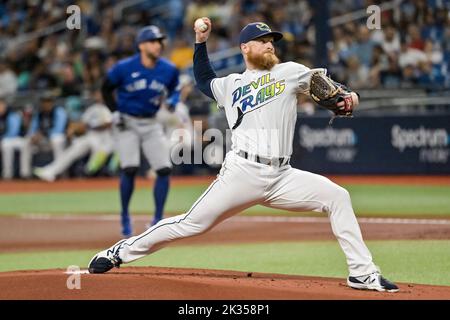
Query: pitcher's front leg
x=228 y=195
x=298 y=190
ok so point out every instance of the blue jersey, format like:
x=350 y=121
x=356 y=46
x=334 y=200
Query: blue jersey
x=49 y=124
x=141 y=90
x=10 y=125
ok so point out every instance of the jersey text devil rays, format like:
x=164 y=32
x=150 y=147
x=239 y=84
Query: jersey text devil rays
x=253 y=95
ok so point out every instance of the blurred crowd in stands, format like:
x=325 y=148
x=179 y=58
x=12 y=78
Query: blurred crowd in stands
x=411 y=49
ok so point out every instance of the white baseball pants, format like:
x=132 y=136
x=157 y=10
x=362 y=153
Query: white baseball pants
x=243 y=183
x=146 y=133
x=9 y=145
x=58 y=143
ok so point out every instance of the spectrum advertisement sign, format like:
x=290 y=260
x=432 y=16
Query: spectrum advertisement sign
x=378 y=145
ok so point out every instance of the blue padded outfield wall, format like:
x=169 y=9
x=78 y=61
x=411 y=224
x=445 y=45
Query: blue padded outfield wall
x=373 y=145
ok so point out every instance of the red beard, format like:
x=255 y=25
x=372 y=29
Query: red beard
x=264 y=61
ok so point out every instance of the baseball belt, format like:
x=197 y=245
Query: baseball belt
x=279 y=162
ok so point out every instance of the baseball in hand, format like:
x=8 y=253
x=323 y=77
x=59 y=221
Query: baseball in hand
x=200 y=25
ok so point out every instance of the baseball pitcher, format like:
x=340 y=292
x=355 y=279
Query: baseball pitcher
x=142 y=83
x=260 y=105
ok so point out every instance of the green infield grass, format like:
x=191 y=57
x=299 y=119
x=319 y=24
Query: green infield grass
x=418 y=261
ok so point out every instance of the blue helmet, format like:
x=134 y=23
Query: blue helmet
x=149 y=33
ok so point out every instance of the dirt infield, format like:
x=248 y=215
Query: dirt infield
x=193 y=284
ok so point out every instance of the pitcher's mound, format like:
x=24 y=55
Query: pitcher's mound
x=194 y=284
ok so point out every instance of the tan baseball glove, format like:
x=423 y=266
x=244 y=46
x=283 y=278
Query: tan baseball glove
x=332 y=95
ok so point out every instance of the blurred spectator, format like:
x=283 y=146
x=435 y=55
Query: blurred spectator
x=48 y=125
x=220 y=11
x=358 y=75
x=415 y=40
x=410 y=56
x=336 y=67
x=425 y=74
x=93 y=71
x=8 y=80
x=174 y=19
x=126 y=46
x=391 y=77
x=42 y=79
x=69 y=82
x=13 y=125
x=391 y=40
x=380 y=63
x=433 y=52
x=433 y=28
x=182 y=53
x=409 y=77
x=363 y=47
x=24 y=62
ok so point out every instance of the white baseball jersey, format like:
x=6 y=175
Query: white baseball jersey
x=267 y=101
x=96 y=116
x=261 y=108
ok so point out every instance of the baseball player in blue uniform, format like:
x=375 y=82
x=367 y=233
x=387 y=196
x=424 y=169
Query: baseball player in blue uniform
x=142 y=83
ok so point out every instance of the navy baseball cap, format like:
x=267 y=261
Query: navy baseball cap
x=256 y=30
x=149 y=33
